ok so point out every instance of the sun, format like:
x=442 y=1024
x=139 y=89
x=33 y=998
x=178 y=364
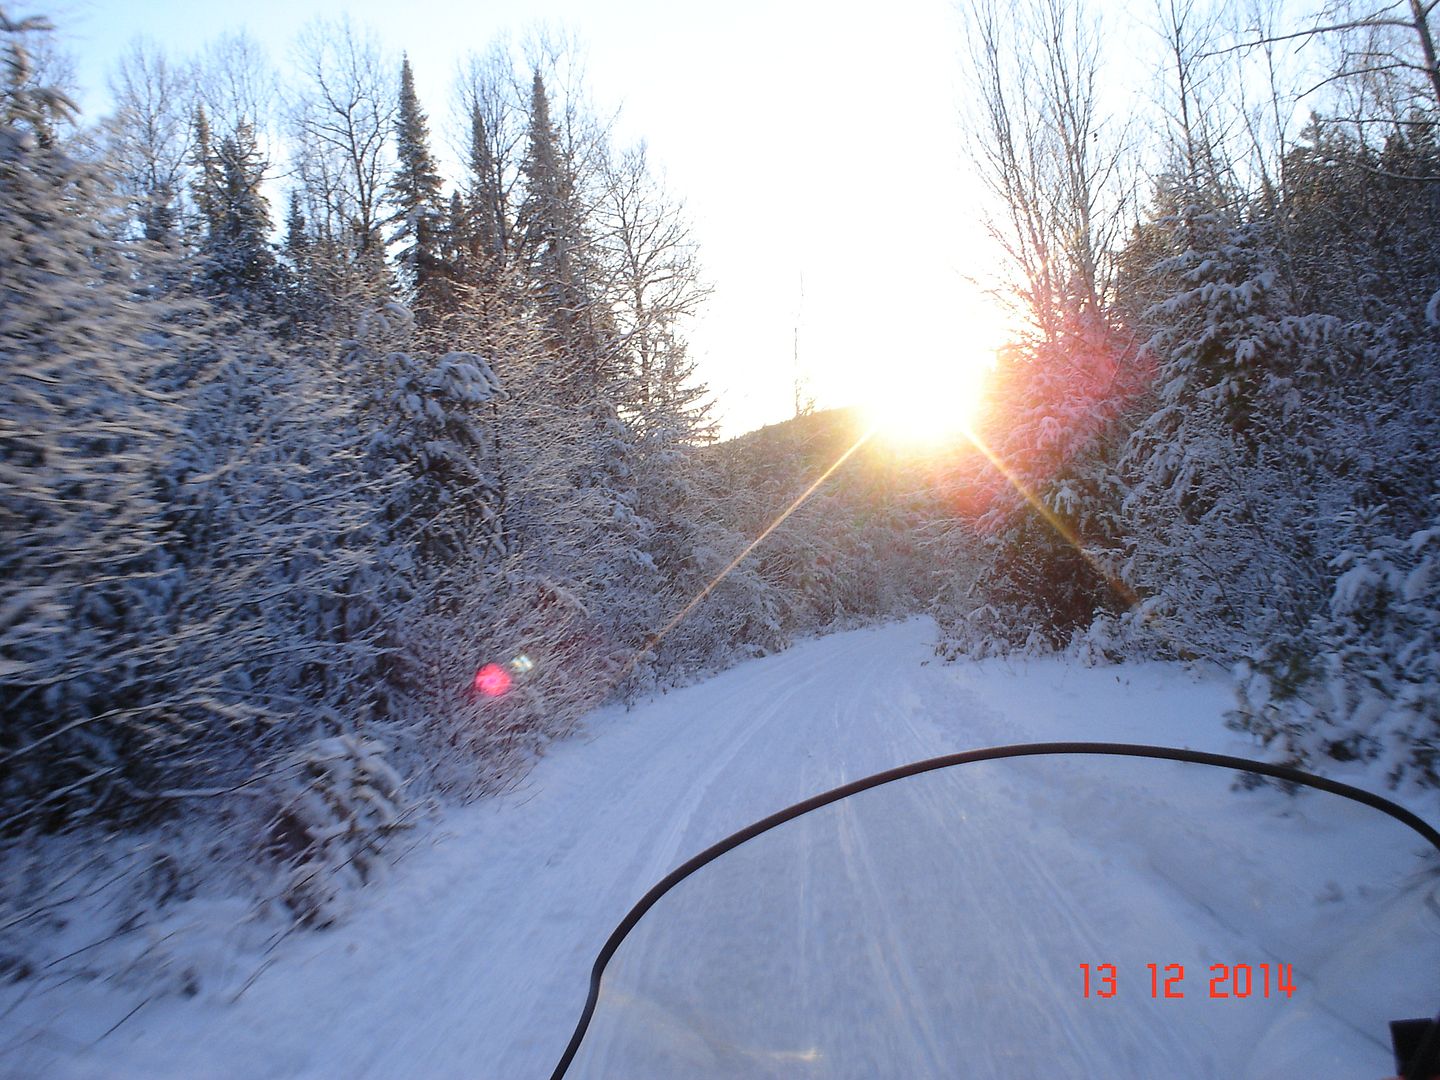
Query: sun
x=927 y=402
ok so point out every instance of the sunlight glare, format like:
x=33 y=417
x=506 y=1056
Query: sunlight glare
x=928 y=400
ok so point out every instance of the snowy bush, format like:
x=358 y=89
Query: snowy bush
x=1372 y=690
x=575 y=664
x=338 y=803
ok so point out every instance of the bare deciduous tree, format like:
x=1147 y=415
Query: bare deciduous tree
x=236 y=83
x=649 y=256
x=1047 y=154
x=342 y=119
x=148 y=138
x=1192 y=98
x=1394 y=43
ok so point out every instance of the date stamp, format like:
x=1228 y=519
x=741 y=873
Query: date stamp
x=1167 y=981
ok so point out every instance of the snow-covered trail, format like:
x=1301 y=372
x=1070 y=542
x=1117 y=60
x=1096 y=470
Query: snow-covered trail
x=473 y=959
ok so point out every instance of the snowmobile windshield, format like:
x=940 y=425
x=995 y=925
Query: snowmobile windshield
x=1064 y=914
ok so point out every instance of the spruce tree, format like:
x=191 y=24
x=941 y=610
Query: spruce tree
x=552 y=242
x=297 y=235
x=300 y=254
x=414 y=192
x=488 y=237
x=573 y=498
x=241 y=262
x=206 y=187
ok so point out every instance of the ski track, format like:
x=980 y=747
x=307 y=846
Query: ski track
x=473 y=959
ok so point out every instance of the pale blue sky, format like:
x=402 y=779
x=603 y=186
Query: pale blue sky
x=805 y=137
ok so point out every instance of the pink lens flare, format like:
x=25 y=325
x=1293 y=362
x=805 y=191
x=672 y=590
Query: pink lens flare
x=492 y=680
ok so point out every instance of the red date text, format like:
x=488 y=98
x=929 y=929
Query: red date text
x=1167 y=981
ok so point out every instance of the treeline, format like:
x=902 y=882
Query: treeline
x=275 y=491
x=1221 y=425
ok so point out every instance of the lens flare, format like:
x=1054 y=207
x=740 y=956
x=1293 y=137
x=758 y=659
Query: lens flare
x=492 y=680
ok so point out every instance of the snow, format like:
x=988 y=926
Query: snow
x=978 y=891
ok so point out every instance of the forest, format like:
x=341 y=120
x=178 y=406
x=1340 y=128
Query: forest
x=1216 y=437
x=292 y=457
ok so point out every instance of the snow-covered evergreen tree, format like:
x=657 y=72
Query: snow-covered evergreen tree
x=240 y=262
x=1219 y=545
x=85 y=633
x=1280 y=460
x=419 y=209
x=488 y=236
x=573 y=499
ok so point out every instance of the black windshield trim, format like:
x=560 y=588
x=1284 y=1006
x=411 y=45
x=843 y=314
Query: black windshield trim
x=991 y=753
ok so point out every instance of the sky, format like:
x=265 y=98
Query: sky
x=816 y=146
